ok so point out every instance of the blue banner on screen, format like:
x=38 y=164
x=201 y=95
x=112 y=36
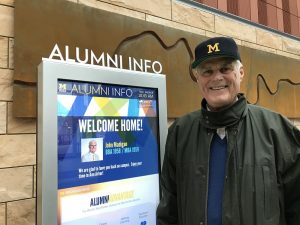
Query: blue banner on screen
x=108 y=154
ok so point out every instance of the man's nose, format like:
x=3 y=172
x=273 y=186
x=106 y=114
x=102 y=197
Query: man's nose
x=217 y=74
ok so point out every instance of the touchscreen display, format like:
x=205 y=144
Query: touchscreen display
x=108 y=154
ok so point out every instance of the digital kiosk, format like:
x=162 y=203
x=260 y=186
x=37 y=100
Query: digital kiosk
x=101 y=137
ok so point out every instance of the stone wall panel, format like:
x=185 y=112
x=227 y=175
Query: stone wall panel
x=6 y=84
x=268 y=39
x=113 y=8
x=3 y=52
x=291 y=46
x=229 y=27
x=21 y=212
x=17 y=150
x=11 y=53
x=2 y=214
x=3 y=107
x=161 y=8
x=259 y=47
x=191 y=16
x=7 y=2
x=16 y=183
x=6 y=21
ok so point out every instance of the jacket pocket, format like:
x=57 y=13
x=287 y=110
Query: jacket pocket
x=192 y=193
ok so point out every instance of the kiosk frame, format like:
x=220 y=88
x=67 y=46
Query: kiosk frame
x=49 y=73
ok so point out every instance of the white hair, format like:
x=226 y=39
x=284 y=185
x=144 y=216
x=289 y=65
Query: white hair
x=237 y=64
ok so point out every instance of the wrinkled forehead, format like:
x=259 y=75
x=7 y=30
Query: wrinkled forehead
x=216 y=62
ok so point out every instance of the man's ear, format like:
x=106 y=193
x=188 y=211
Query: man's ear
x=242 y=73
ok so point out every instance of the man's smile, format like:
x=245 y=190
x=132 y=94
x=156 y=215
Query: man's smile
x=218 y=87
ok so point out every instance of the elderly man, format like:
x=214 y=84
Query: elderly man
x=91 y=155
x=230 y=163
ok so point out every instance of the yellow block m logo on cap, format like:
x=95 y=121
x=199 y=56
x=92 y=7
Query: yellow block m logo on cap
x=213 y=48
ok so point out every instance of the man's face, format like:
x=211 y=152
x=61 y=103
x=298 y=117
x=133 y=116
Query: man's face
x=219 y=81
x=93 y=146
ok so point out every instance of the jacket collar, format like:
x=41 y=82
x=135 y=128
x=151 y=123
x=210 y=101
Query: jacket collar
x=226 y=117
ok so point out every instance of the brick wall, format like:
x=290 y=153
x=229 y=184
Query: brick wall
x=17 y=136
x=282 y=15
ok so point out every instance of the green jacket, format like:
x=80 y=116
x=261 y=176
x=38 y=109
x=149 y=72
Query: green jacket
x=262 y=182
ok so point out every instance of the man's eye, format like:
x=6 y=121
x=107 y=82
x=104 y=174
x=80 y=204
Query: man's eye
x=207 y=72
x=225 y=69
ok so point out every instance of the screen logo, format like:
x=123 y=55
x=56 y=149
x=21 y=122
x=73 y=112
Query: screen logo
x=62 y=87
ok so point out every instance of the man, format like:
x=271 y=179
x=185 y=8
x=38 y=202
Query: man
x=230 y=163
x=91 y=155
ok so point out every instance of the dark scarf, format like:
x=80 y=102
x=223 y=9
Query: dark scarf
x=226 y=117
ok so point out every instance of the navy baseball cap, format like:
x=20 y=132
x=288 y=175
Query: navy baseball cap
x=215 y=48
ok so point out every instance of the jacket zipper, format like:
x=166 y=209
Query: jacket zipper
x=207 y=175
x=235 y=131
x=227 y=158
